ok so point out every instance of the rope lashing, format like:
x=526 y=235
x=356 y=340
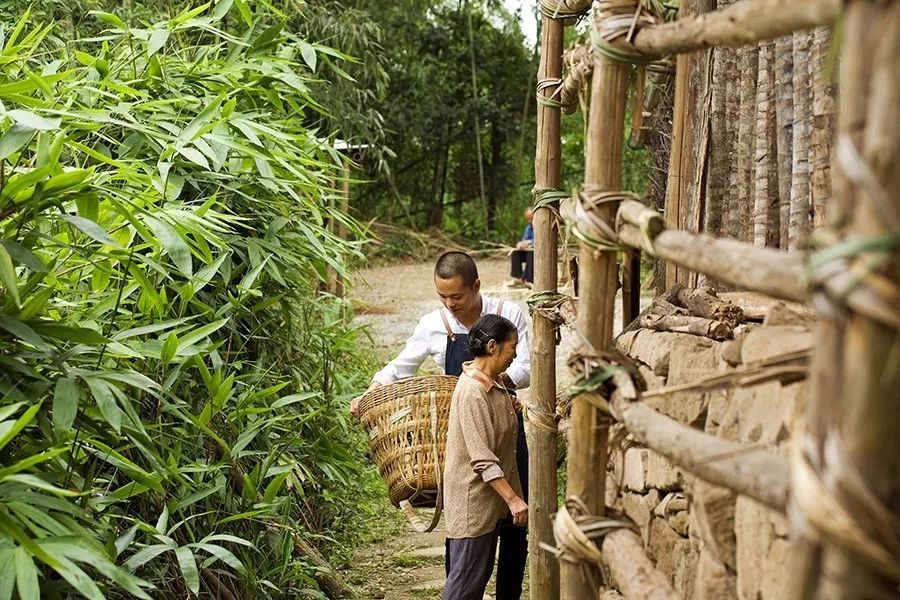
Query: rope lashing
x=549 y=305
x=540 y=417
x=645 y=222
x=594 y=372
x=832 y=497
x=552 y=100
x=615 y=24
x=549 y=198
x=568 y=11
x=577 y=534
x=589 y=226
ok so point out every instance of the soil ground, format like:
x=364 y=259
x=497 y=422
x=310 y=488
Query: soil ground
x=401 y=564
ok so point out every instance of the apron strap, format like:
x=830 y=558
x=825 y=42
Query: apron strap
x=450 y=333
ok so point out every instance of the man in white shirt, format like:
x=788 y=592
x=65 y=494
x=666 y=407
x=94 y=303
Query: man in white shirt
x=442 y=334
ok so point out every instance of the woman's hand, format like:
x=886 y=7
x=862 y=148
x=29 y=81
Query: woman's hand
x=519 y=511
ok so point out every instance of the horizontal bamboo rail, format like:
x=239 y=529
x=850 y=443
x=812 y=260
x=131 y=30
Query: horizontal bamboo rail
x=771 y=272
x=632 y=570
x=745 y=22
x=749 y=471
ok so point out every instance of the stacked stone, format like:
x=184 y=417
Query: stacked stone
x=708 y=541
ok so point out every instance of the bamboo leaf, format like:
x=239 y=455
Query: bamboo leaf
x=19 y=425
x=29 y=120
x=23 y=256
x=158 y=39
x=106 y=402
x=26 y=576
x=8 y=275
x=14 y=138
x=90 y=228
x=65 y=403
x=309 y=55
x=188 y=566
x=173 y=244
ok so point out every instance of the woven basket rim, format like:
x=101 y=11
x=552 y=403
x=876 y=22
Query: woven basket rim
x=404 y=387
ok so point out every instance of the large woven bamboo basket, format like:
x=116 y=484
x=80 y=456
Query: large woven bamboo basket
x=407 y=426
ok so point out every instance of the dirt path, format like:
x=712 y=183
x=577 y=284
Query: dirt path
x=401 y=564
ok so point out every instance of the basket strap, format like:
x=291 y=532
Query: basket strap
x=450 y=333
x=412 y=514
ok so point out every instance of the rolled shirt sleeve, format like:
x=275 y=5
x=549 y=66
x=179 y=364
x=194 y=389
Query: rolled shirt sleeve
x=520 y=369
x=479 y=435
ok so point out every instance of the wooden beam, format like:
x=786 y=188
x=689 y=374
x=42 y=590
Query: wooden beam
x=766 y=270
x=632 y=570
x=744 y=22
x=596 y=303
x=543 y=566
x=750 y=471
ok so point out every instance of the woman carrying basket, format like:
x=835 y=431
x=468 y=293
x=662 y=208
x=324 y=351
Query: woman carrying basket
x=481 y=481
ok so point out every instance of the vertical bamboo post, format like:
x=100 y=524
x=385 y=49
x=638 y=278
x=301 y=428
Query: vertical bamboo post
x=854 y=375
x=543 y=566
x=596 y=302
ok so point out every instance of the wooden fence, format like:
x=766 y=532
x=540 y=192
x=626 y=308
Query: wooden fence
x=841 y=485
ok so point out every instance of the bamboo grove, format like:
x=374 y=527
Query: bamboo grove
x=171 y=379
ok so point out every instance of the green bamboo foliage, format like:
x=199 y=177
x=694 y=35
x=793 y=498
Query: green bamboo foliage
x=168 y=385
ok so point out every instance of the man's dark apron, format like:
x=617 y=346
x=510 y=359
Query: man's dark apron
x=513 y=539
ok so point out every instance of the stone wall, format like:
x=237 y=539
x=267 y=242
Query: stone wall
x=710 y=543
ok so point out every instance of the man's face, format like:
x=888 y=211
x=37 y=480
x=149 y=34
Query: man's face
x=458 y=297
x=529 y=215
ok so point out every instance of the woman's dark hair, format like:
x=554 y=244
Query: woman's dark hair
x=487 y=328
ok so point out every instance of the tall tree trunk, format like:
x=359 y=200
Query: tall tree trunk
x=799 y=222
x=822 y=132
x=761 y=191
x=739 y=221
x=495 y=181
x=721 y=141
x=784 y=122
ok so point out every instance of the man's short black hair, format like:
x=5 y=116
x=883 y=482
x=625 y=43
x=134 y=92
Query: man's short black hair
x=456 y=264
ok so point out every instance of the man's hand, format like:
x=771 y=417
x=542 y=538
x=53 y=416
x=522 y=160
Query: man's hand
x=354 y=404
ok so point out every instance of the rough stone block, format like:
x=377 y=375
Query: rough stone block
x=634 y=469
x=716 y=408
x=662 y=474
x=786 y=561
x=688 y=408
x=754 y=536
x=713 y=580
x=766 y=342
x=712 y=520
x=652 y=379
x=655 y=348
x=666 y=547
x=686 y=571
x=639 y=507
x=680 y=522
x=789 y=313
x=761 y=411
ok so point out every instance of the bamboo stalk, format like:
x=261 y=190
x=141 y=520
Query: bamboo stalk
x=763 y=158
x=746 y=141
x=589 y=431
x=673 y=183
x=632 y=570
x=745 y=22
x=543 y=566
x=855 y=373
x=766 y=270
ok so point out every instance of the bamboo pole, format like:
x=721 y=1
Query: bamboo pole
x=798 y=228
x=744 y=22
x=784 y=124
x=632 y=570
x=750 y=471
x=543 y=566
x=596 y=303
x=855 y=375
x=766 y=270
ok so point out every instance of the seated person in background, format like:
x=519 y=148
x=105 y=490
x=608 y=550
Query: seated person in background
x=523 y=255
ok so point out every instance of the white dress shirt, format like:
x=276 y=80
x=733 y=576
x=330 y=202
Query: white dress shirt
x=430 y=339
